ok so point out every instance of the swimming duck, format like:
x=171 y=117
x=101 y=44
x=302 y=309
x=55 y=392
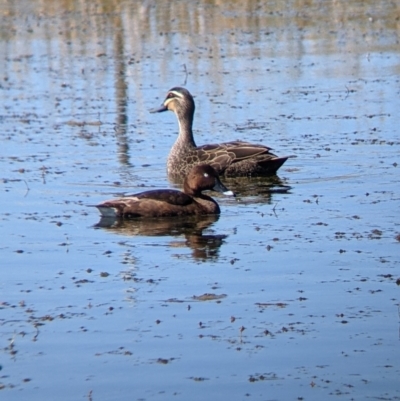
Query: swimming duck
x=170 y=202
x=232 y=159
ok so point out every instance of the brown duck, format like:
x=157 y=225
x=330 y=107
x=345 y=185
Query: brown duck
x=232 y=159
x=170 y=202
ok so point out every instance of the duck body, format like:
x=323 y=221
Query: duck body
x=170 y=202
x=232 y=159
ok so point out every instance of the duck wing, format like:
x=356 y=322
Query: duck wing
x=137 y=201
x=156 y=203
x=170 y=196
x=245 y=150
x=222 y=155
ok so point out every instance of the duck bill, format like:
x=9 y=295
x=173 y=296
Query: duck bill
x=159 y=109
x=219 y=187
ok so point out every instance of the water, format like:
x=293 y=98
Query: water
x=301 y=270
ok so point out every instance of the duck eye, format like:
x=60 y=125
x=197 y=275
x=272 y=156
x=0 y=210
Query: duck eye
x=205 y=175
x=170 y=95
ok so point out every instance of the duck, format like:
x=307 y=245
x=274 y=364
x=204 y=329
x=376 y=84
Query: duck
x=171 y=202
x=229 y=159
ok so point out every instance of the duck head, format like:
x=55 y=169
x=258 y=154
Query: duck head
x=204 y=177
x=180 y=101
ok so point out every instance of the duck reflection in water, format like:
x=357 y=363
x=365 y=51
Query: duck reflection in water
x=204 y=246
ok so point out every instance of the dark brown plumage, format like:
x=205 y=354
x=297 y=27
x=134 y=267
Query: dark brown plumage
x=170 y=202
x=236 y=158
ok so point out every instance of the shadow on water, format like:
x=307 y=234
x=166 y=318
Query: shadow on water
x=255 y=189
x=204 y=246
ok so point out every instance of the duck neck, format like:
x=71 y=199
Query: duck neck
x=185 y=121
x=189 y=191
x=208 y=204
